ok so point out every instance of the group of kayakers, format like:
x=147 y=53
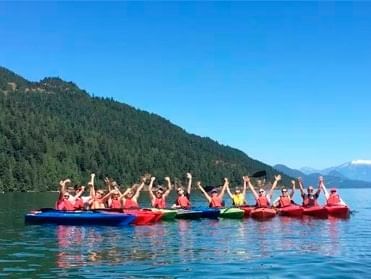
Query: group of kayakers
x=72 y=198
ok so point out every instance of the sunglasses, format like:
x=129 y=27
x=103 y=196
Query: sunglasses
x=66 y=196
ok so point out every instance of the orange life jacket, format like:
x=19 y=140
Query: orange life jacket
x=216 y=202
x=285 y=201
x=333 y=199
x=115 y=204
x=130 y=203
x=78 y=204
x=262 y=201
x=183 y=202
x=159 y=203
x=65 y=205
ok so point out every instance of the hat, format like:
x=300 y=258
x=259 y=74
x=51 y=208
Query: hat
x=214 y=191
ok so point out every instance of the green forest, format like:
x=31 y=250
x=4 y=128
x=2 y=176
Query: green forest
x=51 y=129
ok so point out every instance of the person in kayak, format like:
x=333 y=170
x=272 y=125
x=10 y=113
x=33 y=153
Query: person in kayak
x=158 y=198
x=238 y=197
x=131 y=195
x=263 y=200
x=69 y=199
x=97 y=198
x=215 y=199
x=285 y=199
x=114 y=201
x=332 y=198
x=183 y=199
x=310 y=197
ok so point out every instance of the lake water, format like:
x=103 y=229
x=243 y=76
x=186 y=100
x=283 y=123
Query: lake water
x=278 y=248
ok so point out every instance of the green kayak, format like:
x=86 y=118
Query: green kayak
x=231 y=213
x=167 y=214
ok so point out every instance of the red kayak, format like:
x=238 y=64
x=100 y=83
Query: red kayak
x=143 y=217
x=291 y=211
x=339 y=211
x=247 y=210
x=315 y=211
x=262 y=213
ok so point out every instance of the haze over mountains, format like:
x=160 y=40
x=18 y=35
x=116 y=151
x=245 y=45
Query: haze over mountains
x=356 y=173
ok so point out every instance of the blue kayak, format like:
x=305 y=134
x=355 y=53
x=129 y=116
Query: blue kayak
x=207 y=212
x=78 y=218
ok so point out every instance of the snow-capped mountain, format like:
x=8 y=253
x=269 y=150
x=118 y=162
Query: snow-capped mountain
x=356 y=169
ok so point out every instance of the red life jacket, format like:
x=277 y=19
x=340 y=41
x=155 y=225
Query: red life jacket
x=183 y=202
x=129 y=203
x=333 y=199
x=216 y=202
x=262 y=201
x=78 y=204
x=285 y=201
x=65 y=205
x=307 y=202
x=115 y=204
x=159 y=203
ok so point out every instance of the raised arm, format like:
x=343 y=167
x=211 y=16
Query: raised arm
x=292 y=189
x=229 y=192
x=203 y=191
x=244 y=185
x=276 y=179
x=79 y=193
x=252 y=188
x=301 y=187
x=107 y=182
x=189 y=176
x=226 y=184
x=322 y=185
x=62 y=189
x=151 y=195
x=169 y=187
x=137 y=192
x=91 y=185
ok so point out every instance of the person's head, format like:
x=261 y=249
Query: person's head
x=310 y=190
x=180 y=191
x=214 y=192
x=284 y=192
x=159 y=192
x=130 y=193
x=66 y=195
x=116 y=195
x=237 y=190
x=71 y=190
x=99 y=193
x=261 y=192
x=333 y=191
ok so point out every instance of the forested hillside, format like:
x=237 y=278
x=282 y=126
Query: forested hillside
x=51 y=129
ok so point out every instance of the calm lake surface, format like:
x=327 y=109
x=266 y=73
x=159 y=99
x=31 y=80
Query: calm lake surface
x=279 y=248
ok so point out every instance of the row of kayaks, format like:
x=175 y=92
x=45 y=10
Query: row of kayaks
x=150 y=216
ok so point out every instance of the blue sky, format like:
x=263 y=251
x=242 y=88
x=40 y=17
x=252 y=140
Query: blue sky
x=285 y=82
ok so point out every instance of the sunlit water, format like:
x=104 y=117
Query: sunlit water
x=279 y=248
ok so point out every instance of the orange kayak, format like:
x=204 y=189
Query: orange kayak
x=247 y=210
x=262 y=213
x=291 y=211
x=143 y=217
x=339 y=211
x=316 y=211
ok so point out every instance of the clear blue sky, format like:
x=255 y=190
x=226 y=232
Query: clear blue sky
x=285 y=82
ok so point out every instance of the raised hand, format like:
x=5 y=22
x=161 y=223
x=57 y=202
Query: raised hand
x=153 y=178
x=293 y=182
x=167 y=179
x=189 y=175
x=226 y=180
x=198 y=184
x=277 y=177
x=246 y=178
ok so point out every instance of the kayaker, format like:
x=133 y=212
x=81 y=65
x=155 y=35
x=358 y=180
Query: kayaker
x=183 y=199
x=114 y=201
x=332 y=198
x=285 y=199
x=131 y=195
x=63 y=202
x=238 y=197
x=97 y=198
x=263 y=200
x=74 y=201
x=215 y=199
x=158 y=198
x=310 y=197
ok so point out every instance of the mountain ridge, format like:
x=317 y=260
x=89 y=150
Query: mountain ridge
x=45 y=136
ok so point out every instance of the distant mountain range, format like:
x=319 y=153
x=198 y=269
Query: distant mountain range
x=334 y=177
